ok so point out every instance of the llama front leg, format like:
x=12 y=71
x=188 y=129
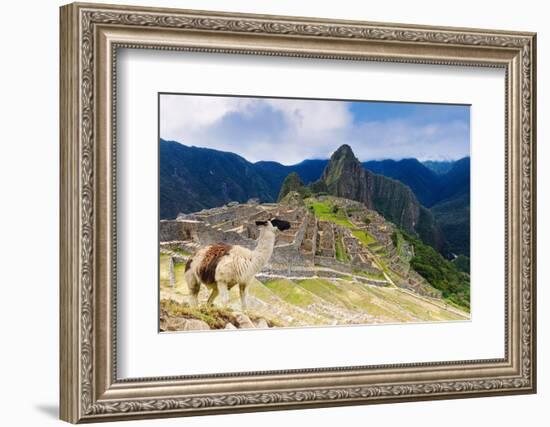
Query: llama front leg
x=243 y=288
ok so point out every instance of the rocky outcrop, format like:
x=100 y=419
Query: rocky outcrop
x=168 y=323
x=345 y=177
x=243 y=321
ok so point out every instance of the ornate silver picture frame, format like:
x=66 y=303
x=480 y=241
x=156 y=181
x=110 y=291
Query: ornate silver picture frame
x=91 y=390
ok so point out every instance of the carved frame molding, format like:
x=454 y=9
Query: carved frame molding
x=90 y=36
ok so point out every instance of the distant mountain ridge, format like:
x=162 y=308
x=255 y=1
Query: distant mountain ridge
x=440 y=167
x=194 y=178
x=452 y=211
x=424 y=182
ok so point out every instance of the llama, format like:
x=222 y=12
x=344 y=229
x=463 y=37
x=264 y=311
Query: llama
x=222 y=266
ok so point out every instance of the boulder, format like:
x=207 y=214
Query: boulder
x=172 y=323
x=230 y=326
x=195 y=325
x=243 y=321
x=261 y=323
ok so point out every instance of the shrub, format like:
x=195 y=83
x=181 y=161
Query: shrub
x=439 y=272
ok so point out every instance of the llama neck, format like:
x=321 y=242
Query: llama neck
x=263 y=251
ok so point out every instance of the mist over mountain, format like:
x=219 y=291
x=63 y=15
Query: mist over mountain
x=440 y=167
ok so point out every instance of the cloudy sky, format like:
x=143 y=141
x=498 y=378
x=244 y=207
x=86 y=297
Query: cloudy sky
x=291 y=130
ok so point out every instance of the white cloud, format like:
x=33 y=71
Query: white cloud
x=397 y=139
x=181 y=114
x=289 y=131
x=304 y=117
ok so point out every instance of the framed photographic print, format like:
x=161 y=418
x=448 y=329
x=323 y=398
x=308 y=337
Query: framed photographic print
x=265 y=212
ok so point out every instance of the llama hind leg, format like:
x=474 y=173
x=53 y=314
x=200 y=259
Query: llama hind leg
x=194 y=287
x=224 y=294
x=213 y=295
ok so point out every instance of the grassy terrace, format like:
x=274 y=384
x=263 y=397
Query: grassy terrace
x=179 y=270
x=341 y=254
x=325 y=211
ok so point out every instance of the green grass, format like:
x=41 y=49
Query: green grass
x=181 y=251
x=375 y=276
x=326 y=290
x=341 y=254
x=179 y=271
x=289 y=292
x=215 y=317
x=365 y=238
x=324 y=211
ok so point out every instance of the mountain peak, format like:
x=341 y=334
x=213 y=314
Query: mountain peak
x=343 y=152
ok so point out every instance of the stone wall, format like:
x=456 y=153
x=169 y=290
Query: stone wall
x=368 y=266
x=300 y=233
x=170 y=230
x=289 y=255
x=333 y=263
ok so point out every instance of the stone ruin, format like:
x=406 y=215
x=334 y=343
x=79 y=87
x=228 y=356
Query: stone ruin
x=306 y=249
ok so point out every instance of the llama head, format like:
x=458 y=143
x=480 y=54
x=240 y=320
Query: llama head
x=274 y=223
x=281 y=224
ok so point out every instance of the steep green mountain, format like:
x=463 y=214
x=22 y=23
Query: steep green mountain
x=453 y=211
x=346 y=177
x=193 y=178
x=447 y=194
x=440 y=167
x=424 y=182
x=456 y=182
x=291 y=183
